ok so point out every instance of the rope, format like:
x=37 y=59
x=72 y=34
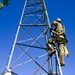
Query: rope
x=40 y=67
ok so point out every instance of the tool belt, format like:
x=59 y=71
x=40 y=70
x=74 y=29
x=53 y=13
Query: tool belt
x=60 y=39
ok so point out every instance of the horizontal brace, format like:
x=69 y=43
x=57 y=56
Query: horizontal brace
x=31 y=46
x=33 y=25
x=33 y=4
x=34 y=12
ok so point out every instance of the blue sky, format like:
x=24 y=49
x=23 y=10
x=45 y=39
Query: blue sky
x=10 y=17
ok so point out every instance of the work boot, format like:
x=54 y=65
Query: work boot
x=52 y=52
x=62 y=63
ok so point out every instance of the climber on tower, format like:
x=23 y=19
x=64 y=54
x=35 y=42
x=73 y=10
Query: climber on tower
x=58 y=37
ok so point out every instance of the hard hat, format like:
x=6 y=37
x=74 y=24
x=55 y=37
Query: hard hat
x=58 y=19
